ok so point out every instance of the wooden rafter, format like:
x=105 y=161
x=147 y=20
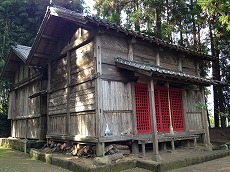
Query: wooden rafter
x=51 y=38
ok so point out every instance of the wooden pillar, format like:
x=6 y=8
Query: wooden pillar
x=98 y=95
x=135 y=148
x=68 y=121
x=134 y=117
x=206 y=137
x=130 y=43
x=156 y=156
x=179 y=63
x=48 y=97
x=157 y=58
x=185 y=105
x=197 y=68
x=26 y=135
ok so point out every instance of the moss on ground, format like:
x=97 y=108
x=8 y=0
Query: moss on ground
x=4 y=152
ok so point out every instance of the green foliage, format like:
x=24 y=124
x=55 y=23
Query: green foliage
x=219 y=8
x=224 y=114
x=19 y=22
x=5 y=86
x=200 y=105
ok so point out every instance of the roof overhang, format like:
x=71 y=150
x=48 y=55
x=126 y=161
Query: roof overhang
x=156 y=71
x=47 y=37
x=18 y=54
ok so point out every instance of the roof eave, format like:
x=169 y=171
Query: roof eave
x=38 y=36
x=146 y=70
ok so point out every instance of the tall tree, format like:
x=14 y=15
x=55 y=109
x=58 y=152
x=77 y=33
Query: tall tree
x=219 y=26
x=19 y=22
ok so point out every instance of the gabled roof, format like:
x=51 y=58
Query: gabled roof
x=156 y=71
x=57 y=17
x=21 y=51
x=17 y=54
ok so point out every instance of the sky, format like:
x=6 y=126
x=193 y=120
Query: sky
x=90 y=4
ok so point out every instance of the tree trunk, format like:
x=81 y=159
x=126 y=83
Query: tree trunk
x=221 y=105
x=217 y=91
x=193 y=27
x=158 y=22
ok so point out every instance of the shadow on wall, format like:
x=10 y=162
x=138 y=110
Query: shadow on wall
x=4 y=126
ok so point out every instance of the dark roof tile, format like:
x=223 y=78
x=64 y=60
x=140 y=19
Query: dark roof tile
x=134 y=65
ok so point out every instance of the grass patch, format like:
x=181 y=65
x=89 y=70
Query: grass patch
x=4 y=152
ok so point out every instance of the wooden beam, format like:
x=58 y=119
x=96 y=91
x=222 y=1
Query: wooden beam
x=185 y=105
x=156 y=156
x=206 y=136
x=130 y=48
x=85 y=39
x=68 y=94
x=52 y=38
x=98 y=93
x=134 y=117
x=44 y=56
x=179 y=63
x=197 y=62
x=157 y=58
x=98 y=89
x=48 y=97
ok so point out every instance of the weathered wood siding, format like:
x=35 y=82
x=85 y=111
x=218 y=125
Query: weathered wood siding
x=193 y=115
x=26 y=113
x=83 y=123
x=117 y=107
x=58 y=74
x=189 y=66
x=82 y=64
x=24 y=106
x=111 y=48
x=19 y=128
x=82 y=97
x=12 y=105
x=24 y=72
x=71 y=101
x=32 y=128
x=57 y=124
x=169 y=60
x=57 y=103
x=144 y=53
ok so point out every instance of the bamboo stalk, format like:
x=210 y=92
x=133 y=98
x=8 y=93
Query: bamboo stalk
x=171 y=132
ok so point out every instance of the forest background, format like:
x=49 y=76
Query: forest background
x=201 y=25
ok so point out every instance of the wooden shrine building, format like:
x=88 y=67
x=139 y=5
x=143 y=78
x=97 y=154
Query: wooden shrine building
x=83 y=73
x=27 y=114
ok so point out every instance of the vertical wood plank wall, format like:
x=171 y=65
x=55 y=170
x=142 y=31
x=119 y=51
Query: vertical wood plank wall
x=116 y=93
x=81 y=87
x=193 y=115
x=117 y=107
x=22 y=108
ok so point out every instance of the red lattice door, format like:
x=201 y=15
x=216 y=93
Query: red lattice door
x=142 y=108
x=177 y=109
x=162 y=109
